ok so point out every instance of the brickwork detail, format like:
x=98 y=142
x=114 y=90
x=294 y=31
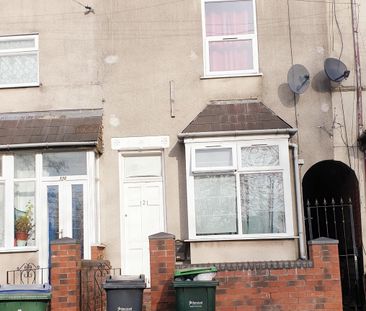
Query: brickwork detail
x=162 y=267
x=304 y=289
x=65 y=276
x=97 y=252
x=147 y=300
x=289 y=285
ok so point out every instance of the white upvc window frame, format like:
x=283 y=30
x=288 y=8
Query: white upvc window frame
x=208 y=39
x=91 y=225
x=21 y=51
x=214 y=146
x=192 y=144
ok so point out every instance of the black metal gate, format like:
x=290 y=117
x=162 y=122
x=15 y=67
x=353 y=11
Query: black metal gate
x=335 y=220
x=92 y=276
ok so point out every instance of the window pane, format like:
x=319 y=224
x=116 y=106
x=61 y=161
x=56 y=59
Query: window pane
x=262 y=202
x=214 y=157
x=78 y=214
x=231 y=55
x=149 y=166
x=215 y=204
x=53 y=212
x=17 y=44
x=24 y=166
x=16 y=69
x=64 y=164
x=229 y=18
x=260 y=156
x=24 y=200
x=2 y=215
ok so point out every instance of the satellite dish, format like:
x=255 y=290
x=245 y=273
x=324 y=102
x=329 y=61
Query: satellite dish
x=298 y=79
x=335 y=70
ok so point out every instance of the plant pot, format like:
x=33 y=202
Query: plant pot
x=21 y=238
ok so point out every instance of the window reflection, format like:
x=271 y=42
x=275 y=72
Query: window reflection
x=24 y=166
x=64 y=164
x=24 y=211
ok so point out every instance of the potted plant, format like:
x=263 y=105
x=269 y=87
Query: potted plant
x=24 y=225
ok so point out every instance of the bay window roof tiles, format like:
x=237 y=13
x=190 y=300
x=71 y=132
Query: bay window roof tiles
x=237 y=115
x=51 y=127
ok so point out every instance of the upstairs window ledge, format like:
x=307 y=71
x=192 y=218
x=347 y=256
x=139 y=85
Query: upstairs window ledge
x=248 y=75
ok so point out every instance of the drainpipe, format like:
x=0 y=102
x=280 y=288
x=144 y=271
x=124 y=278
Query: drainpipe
x=356 y=49
x=300 y=215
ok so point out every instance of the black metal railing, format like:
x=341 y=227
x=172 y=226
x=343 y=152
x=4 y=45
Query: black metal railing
x=93 y=275
x=335 y=220
x=27 y=273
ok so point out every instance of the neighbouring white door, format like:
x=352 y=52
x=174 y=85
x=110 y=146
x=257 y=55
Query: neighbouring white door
x=142 y=211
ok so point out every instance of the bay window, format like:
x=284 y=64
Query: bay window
x=239 y=189
x=230 y=37
x=46 y=196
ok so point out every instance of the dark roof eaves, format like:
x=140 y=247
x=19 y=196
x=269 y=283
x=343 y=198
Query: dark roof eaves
x=289 y=131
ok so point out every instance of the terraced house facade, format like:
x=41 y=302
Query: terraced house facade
x=123 y=119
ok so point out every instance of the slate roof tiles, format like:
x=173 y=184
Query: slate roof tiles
x=235 y=116
x=55 y=126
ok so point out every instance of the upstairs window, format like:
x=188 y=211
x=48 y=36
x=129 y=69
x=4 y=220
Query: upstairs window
x=230 y=37
x=19 y=61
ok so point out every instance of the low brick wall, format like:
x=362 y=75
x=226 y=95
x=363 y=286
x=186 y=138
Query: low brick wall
x=284 y=285
x=77 y=285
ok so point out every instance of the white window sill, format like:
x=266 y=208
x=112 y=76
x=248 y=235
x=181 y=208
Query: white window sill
x=20 y=249
x=18 y=86
x=223 y=239
x=232 y=76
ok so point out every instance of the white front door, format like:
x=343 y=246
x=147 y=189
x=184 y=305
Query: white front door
x=142 y=213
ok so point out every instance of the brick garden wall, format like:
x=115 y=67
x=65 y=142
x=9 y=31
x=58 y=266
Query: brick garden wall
x=77 y=283
x=285 y=285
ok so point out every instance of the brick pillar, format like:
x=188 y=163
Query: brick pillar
x=324 y=253
x=162 y=266
x=97 y=252
x=65 y=275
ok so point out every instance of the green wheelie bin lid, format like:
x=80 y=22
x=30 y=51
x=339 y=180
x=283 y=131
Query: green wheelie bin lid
x=194 y=271
x=30 y=297
x=194 y=284
x=25 y=292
